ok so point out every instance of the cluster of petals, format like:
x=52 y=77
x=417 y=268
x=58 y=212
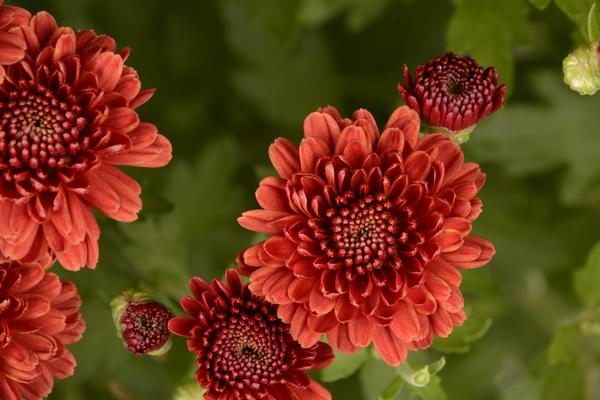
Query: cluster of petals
x=244 y=351
x=67 y=120
x=12 y=45
x=368 y=232
x=452 y=92
x=39 y=316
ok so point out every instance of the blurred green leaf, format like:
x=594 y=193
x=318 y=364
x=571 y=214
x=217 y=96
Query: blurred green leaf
x=392 y=390
x=200 y=235
x=540 y=4
x=432 y=391
x=462 y=336
x=281 y=81
x=593 y=23
x=344 y=365
x=587 y=279
x=530 y=138
x=375 y=376
x=359 y=13
x=577 y=11
x=563 y=382
x=565 y=344
x=487 y=30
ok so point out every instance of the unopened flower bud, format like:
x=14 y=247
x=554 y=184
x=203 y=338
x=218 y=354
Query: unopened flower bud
x=581 y=69
x=142 y=323
x=452 y=94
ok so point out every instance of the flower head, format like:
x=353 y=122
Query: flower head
x=244 y=351
x=67 y=118
x=452 y=92
x=368 y=233
x=39 y=317
x=142 y=323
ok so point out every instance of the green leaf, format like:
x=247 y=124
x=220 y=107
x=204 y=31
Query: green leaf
x=563 y=382
x=432 y=391
x=578 y=11
x=593 y=23
x=587 y=279
x=561 y=133
x=359 y=13
x=487 y=29
x=392 y=390
x=285 y=83
x=344 y=365
x=564 y=345
x=461 y=337
x=279 y=18
x=200 y=236
x=375 y=376
x=540 y=4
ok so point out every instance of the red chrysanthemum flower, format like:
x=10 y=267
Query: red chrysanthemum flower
x=66 y=120
x=12 y=45
x=452 y=92
x=368 y=233
x=244 y=351
x=39 y=316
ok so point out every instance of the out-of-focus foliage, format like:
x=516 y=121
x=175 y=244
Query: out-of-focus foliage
x=234 y=74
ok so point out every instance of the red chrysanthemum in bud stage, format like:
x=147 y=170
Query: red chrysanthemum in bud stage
x=368 y=233
x=244 y=351
x=66 y=120
x=39 y=316
x=142 y=323
x=452 y=92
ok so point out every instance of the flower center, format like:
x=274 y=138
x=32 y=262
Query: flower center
x=363 y=232
x=38 y=132
x=249 y=350
x=455 y=86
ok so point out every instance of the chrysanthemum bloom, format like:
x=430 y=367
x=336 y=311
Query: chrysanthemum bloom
x=244 y=351
x=452 y=92
x=39 y=316
x=66 y=120
x=142 y=323
x=368 y=233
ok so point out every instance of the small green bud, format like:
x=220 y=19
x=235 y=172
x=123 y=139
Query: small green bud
x=581 y=69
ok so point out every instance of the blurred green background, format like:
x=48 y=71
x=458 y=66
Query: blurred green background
x=234 y=74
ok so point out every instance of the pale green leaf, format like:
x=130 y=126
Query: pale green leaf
x=375 y=376
x=593 y=23
x=564 y=345
x=392 y=390
x=587 y=279
x=432 y=391
x=344 y=365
